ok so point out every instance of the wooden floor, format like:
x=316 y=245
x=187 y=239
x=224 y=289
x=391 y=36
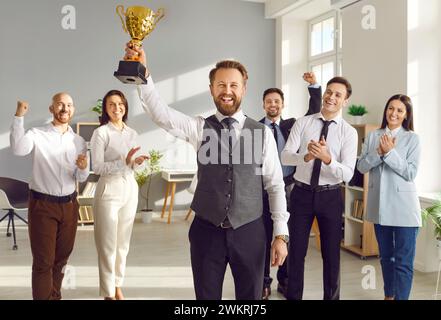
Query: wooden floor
x=158 y=267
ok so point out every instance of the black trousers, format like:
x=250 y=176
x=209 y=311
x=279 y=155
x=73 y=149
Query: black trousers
x=327 y=206
x=212 y=248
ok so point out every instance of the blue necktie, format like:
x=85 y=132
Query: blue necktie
x=274 y=126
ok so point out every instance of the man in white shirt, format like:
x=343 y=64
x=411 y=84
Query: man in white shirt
x=59 y=161
x=228 y=226
x=273 y=104
x=323 y=147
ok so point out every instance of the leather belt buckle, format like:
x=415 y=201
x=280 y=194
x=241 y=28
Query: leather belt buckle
x=225 y=224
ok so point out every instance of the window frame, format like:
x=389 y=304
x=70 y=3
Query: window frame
x=335 y=55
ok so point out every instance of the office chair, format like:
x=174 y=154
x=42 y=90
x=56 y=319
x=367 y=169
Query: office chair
x=13 y=197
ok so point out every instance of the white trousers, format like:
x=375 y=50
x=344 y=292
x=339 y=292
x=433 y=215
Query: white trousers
x=115 y=204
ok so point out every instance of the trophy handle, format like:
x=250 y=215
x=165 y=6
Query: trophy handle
x=159 y=15
x=120 y=13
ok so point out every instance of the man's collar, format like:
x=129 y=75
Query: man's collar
x=337 y=119
x=238 y=116
x=269 y=121
x=51 y=127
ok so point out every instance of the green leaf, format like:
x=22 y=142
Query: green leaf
x=98 y=107
x=433 y=213
x=357 y=110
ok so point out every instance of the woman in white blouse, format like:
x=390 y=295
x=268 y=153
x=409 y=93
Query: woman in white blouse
x=116 y=196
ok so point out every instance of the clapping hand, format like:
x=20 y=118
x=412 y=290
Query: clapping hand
x=319 y=150
x=387 y=143
x=138 y=160
x=81 y=161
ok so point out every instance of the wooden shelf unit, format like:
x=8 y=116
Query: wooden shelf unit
x=85 y=130
x=359 y=234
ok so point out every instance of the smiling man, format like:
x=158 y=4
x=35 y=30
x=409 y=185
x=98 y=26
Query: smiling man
x=323 y=147
x=273 y=104
x=58 y=162
x=228 y=226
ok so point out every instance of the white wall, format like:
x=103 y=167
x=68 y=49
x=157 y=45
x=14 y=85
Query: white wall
x=294 y=62
x=424 y=86
x=292 y=52
x=38 y=58
x=375 y=61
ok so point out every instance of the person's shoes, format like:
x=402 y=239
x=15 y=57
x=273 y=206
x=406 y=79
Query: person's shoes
x=266 y=293
x=282 y=289
x=118 y=294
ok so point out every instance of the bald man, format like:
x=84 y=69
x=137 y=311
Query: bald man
x=58 y=162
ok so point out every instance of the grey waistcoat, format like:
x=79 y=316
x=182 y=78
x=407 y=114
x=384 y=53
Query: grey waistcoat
x=229 y=185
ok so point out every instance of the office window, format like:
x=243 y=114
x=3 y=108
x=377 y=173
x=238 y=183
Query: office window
x=325 y=47
x=322 y=36
x=324 y=72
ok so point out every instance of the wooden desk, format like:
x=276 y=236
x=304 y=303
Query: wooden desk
x=173 y=176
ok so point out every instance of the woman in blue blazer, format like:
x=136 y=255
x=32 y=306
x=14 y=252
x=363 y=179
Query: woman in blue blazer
x=391 y=156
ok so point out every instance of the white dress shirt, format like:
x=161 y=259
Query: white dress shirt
x=109 y=147
x=191 y=130
x=54 y=171
x=341 y=142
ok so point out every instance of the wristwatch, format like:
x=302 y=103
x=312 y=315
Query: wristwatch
x=283 y=237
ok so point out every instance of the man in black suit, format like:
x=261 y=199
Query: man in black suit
x=273 y=104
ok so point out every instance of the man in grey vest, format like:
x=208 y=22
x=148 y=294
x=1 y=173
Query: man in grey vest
x=236 y=157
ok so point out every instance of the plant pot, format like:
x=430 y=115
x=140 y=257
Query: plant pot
x=146 y=216
x=358 y=119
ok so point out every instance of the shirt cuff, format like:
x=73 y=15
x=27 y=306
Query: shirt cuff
x=18 y=120
x=280 y=228
x=386 y=154
x=314 y=86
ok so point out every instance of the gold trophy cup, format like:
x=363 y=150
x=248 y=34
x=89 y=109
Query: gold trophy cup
x=138 y=23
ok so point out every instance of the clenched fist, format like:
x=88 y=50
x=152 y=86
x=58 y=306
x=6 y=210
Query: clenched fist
x=310 y=78
x=22 y=108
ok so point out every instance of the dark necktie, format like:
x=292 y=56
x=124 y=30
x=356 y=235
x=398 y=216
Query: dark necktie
x=231 y=135
x=274 y=126
x=317 y=162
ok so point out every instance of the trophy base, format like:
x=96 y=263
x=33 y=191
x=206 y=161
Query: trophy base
x=131 y=72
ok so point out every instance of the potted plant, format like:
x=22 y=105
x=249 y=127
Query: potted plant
x=434 y=213
x=98 y=108
x=144 y=177
x=357 y=112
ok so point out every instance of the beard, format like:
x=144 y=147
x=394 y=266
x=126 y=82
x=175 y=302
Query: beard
x=59 y=117
x=227 y=109
x=273 y=114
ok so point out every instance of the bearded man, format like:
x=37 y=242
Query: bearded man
x=237 y=157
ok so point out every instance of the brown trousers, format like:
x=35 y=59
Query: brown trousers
x=52 y=230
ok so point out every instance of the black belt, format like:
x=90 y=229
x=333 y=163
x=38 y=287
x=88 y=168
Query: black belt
x=326 y=187
x=50 y=198
x=288 y=180
x=226 y=224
